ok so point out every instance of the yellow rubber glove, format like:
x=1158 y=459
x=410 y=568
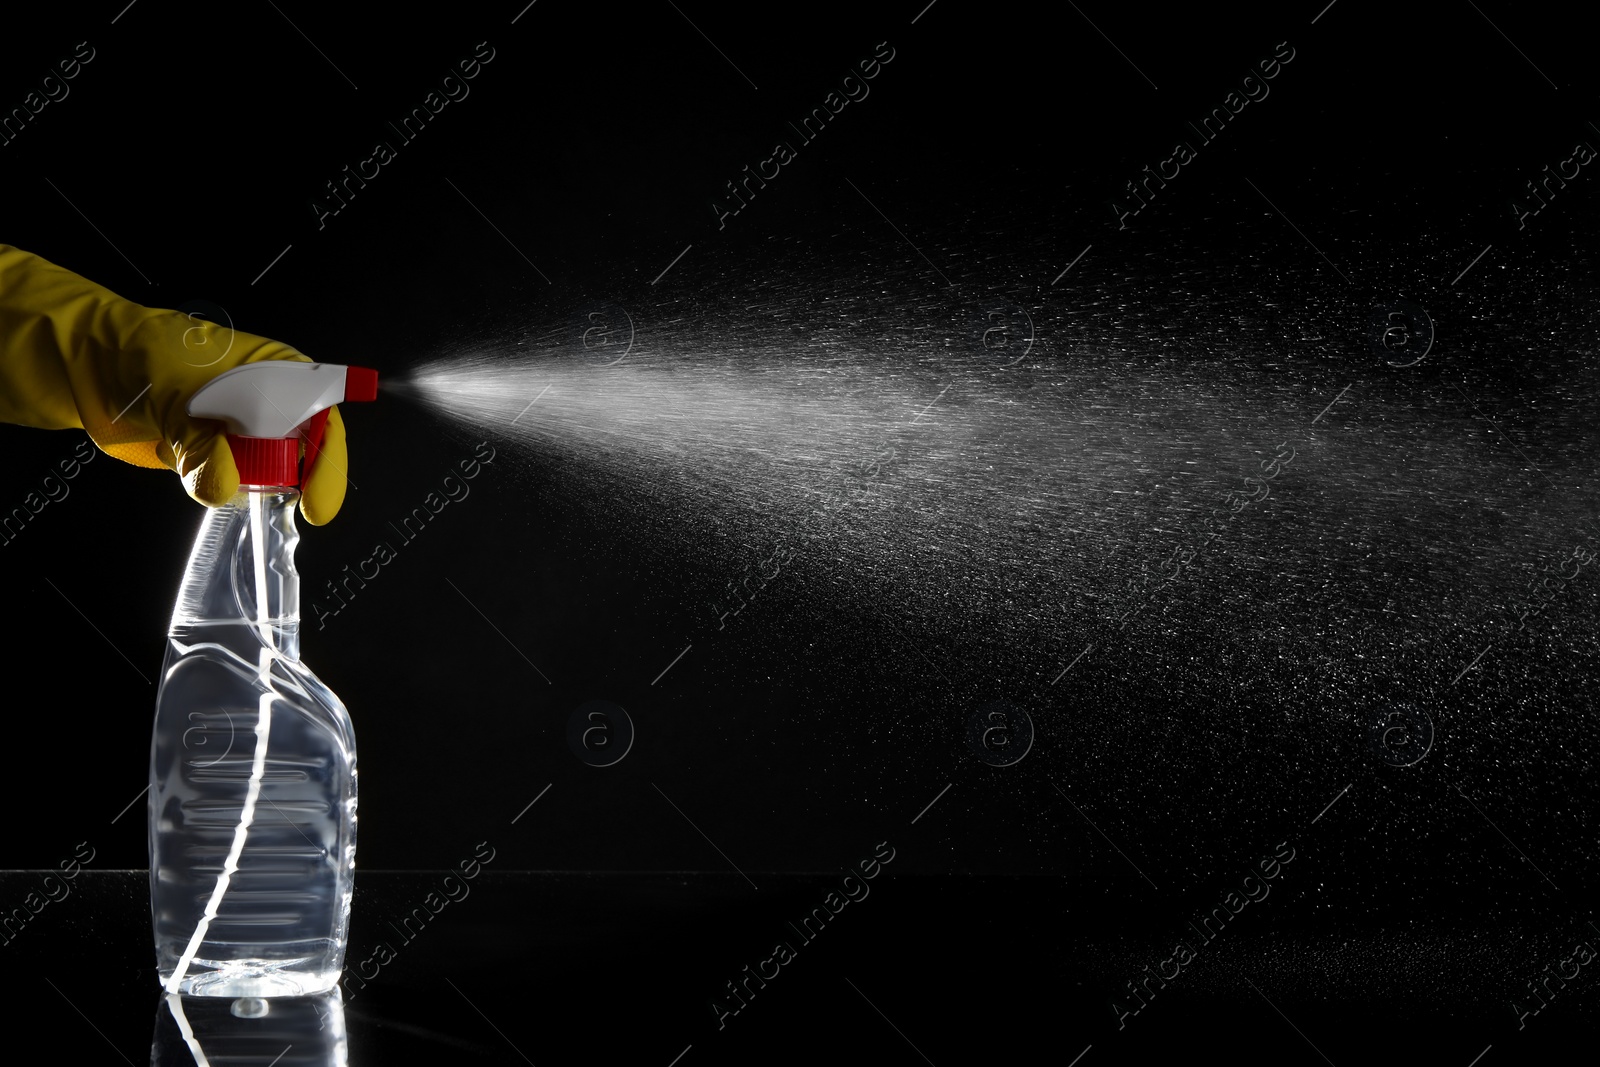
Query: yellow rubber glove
x=76 y=355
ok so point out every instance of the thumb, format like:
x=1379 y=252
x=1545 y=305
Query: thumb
x=208 y=470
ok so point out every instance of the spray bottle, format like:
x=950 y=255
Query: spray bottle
x=253 y=761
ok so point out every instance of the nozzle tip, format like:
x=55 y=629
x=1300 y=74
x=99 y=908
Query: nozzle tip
x=360 y=383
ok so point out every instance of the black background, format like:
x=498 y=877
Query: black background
x=196 y=140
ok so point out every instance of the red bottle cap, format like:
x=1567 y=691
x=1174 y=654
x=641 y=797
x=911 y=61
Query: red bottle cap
x=266 y=460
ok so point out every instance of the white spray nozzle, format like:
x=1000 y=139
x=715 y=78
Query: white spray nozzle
x=274 y=397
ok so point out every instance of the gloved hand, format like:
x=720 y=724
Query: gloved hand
x=76 y=355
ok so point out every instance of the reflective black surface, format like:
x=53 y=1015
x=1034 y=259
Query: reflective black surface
x=563 y=968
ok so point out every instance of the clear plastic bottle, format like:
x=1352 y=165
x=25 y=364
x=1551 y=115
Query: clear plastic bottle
x=252 y=773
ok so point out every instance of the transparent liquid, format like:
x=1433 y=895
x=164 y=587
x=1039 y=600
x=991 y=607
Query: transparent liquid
x=252 y=775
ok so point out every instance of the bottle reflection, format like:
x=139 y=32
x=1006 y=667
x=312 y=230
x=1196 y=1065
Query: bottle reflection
x=284 y=1031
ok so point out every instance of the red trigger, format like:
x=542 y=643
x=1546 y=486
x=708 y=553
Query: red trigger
x=311 y=433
